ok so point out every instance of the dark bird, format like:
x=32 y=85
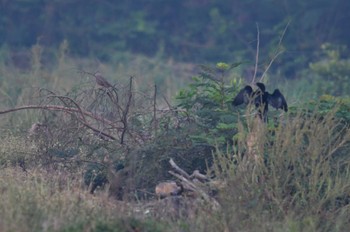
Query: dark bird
x=101 y=81
x=261 y=99
x=244 y=96
x=277 y=100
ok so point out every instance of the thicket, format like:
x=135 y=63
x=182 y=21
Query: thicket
x=290 y=174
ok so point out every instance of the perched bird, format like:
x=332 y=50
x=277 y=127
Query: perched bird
x=277 y=100
x=101 y=81
x=244 y=96
x=261 y=99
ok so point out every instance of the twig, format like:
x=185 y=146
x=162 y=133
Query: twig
x=99 y=131
x=155 y=110
x=268 y=67
x=125 y=113
x=278 y=51
x=70 y=99
x=257 y=52
x=67 y=110
x=283 y=33
x=167 y=102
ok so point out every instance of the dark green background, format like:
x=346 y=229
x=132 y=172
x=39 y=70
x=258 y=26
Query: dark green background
x=186 y=30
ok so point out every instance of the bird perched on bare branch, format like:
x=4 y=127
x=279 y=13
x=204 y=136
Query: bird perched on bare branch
x=261 y=99
x=101 y=81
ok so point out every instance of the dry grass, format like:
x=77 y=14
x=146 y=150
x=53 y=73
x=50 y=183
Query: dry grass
x=303 y=183
x=38 y=200
x=291 y=177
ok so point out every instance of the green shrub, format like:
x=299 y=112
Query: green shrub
x=207 y=103
x=332 y=71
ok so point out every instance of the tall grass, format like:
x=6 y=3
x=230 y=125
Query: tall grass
x=294 y=176
x=303 y=183
x=43 y=201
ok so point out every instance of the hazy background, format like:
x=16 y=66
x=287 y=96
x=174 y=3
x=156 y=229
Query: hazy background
x=163 y=41
x=70 y=136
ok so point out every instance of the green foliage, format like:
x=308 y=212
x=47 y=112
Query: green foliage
x=328 y=104
x=207 y=101
x=187 y=30
x=332 y=71
x=302 y=183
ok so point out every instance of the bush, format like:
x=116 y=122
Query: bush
x=332 y=71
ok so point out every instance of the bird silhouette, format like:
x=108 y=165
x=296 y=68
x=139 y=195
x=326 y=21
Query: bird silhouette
x=261 y=99
x=101 y=81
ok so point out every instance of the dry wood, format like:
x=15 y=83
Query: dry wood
x=178 y=169
x=189 y=184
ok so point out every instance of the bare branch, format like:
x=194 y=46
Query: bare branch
x=283 y=33
x=71 y=100
x=196 y=174
x=269 y=65
x=277 y=52
x=126 y=111
x=155 y=110
x=257 y=52
x=67 y=110
x=167 y=102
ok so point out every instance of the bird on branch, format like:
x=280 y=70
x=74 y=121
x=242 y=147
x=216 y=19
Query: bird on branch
x=261 y=99
x=101 y=81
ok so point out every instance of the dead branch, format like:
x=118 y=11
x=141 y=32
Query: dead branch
x=277 y=52
x=167 y=102
x=257 y=52
x=61 y=108
x=178 y=169
x=191 y=185
x=269 y=65
x=196 y=174
x=154 y=120
x=126 y=111
x=72 y=101
x=69 y=110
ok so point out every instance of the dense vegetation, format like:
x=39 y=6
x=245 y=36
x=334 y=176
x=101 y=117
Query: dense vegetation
x=191 y=31
x=77 y=156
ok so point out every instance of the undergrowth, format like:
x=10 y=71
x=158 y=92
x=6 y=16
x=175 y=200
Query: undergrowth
x=302 y=182
x=297 y=180
x=291 y=174
x=54 y=201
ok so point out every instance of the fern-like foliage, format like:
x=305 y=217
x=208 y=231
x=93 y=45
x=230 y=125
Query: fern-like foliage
x=207 y=100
